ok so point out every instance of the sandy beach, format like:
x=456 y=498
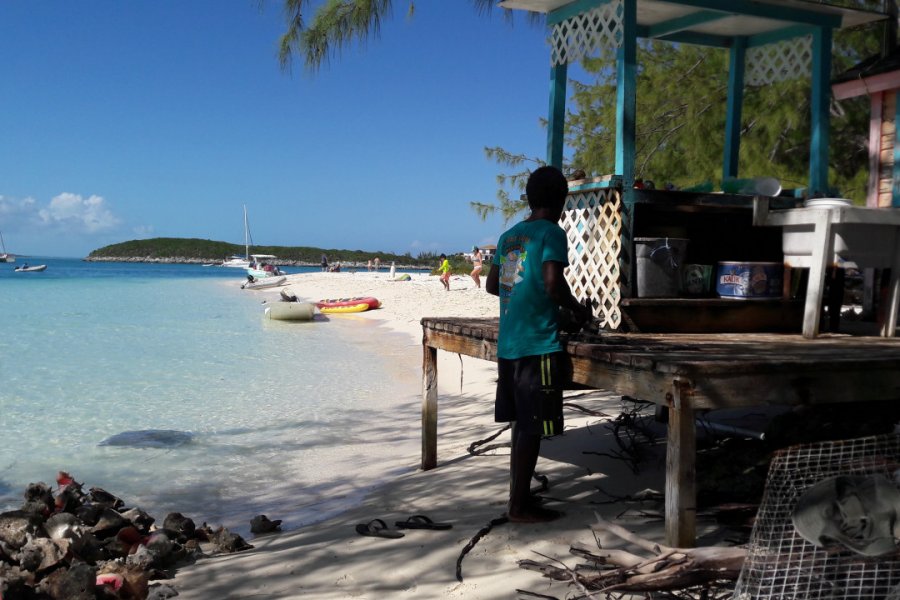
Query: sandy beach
x=330 y=560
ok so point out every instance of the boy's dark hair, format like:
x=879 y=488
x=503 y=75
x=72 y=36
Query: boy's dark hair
x=546 y=187
x=443 y=256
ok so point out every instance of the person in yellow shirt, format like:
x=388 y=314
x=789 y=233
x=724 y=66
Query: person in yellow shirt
x=445 y=272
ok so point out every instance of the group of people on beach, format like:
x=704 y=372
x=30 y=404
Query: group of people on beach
x=477 y=263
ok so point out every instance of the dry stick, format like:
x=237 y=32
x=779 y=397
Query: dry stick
x=587 y=411
x=473 y=447
x=572 y=575
x=460 y=373
x=481 y=533
x=535 y=595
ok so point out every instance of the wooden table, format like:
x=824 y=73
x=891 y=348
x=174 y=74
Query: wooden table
x=687 y=373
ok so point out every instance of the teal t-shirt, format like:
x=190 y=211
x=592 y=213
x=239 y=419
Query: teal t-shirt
x=529 y=319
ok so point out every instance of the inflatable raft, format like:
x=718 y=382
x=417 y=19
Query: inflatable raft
x=253 y=283
x=347 y=305
x=291 y=311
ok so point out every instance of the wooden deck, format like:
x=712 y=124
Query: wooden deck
x=686 y=373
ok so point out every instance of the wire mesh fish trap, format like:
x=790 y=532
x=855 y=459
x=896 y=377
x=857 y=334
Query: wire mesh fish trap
x=826 y=525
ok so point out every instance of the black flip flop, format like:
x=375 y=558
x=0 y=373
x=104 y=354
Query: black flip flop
x=377 y=528
x=421 y=522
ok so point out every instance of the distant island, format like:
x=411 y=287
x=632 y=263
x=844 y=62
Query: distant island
x=193 y=250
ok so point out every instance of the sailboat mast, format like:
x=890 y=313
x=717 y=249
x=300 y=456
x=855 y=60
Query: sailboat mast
x=246 y=236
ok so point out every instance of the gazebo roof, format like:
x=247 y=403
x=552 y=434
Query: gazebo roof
x=662 y=18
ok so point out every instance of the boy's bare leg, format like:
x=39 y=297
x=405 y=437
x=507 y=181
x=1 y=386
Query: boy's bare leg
x=522 y=461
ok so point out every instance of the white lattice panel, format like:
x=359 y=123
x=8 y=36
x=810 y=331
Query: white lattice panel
x=587 y=32
x=593 y=224
x=779 y=61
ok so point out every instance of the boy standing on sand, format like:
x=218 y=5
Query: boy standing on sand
x=445 y=272
x=532 y=365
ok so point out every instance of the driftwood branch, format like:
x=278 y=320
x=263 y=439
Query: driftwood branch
x=658 y=568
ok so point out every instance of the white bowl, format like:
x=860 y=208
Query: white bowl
x=827 y=203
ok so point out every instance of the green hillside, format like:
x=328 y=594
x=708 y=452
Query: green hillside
x=193 y=250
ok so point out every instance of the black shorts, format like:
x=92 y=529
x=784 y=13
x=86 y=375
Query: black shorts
x=529 y=391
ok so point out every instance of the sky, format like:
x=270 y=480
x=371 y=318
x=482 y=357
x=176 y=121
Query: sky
x=162 y=118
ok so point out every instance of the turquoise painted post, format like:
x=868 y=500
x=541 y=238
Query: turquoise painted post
x=895 y=185
x=557 y=118
x=735 y=108
x=821 y=94
x=626 y=99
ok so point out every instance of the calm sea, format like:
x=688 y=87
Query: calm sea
x=293 y=420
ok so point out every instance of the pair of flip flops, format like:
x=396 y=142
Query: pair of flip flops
x=378 y=528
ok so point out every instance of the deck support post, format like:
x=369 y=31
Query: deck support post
x=820 y=106
x=626 y=97
x=735 y=108
x=429 y=407
x=681 y=501
x=557 y=118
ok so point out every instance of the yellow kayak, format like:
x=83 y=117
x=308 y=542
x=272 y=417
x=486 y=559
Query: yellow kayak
x=349 y=308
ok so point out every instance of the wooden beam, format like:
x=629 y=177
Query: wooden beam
x=867 y=85
x=696 y=39
x=626 y=99
x=820 y=100
x=875 y=119
x=429 y=407
x=779 y=35
x=766 y=11
x=557 y=117
x=735 y=109
x=895 y=183
x=684 y=23
x=573 y=9
x=681 y=458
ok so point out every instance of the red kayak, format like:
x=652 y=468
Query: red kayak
x=368 y=301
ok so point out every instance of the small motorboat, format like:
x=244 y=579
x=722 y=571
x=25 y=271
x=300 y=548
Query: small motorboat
x=291 y=311
x=348 y=305
x=27 y=269
x=254 y=283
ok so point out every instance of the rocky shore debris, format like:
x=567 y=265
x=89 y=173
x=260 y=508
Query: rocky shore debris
x=77 y=544
x=261 y=524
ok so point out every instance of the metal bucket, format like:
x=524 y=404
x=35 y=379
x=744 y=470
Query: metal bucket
x=659 y=266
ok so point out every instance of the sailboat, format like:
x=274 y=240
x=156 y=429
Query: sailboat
x=241 y=262
x=5 y=256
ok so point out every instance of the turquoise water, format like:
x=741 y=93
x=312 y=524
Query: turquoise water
x=284 y=419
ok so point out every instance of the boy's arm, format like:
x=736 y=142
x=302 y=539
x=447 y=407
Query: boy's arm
x=557 y=288
x=492 y=285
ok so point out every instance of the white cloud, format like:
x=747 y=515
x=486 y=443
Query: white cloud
x=143 y=231
x=76 y=214
x=14 y=209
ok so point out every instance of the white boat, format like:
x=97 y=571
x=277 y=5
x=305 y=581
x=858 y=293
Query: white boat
x=241 y=262
x=256 y=268
x=253 y=283
x=4 y=255
x=291 y=311
x=26 y=269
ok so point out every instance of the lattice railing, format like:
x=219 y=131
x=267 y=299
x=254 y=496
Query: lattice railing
x=593 y=224
x=587 y=32
x=779 y=61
